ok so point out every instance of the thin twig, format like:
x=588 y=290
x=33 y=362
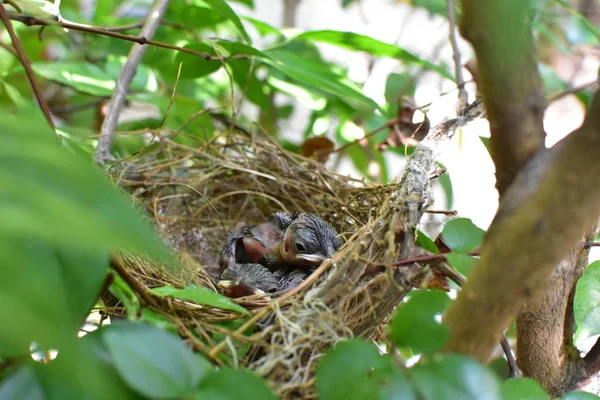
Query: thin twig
x=27 y=65
x=587 y=245
x=157 y=130
x=451 y=213
x=125 y=77
x=141 y=40
x=463 y=97
x=572 y=90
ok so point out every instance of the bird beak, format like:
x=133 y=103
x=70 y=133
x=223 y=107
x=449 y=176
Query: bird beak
x=311 y=258
x=238 y=289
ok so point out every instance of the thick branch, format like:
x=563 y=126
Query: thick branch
x=545 y=326
x=125 y=77
x=500 y=33
x=549 y=207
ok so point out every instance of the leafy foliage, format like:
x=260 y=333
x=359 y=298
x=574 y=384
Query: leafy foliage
x=61 y=218
x=586 y=305
x=420 y=310
x=460 y=234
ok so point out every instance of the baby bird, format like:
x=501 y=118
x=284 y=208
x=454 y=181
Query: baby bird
x=247 y=279
x=306 y=241
x=290 y=246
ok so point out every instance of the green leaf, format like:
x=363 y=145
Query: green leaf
x=121 y=290
x=414 y=325
x=263 y=28
x=229 y=384
x=425 y=242
x=249 y=84
x=22 y=384
x=13 y=94
x=578 y=395
x=153 y=362
x=461 y=262
x=397 y=86
x=200 y=295
x=593 y=29
x=450 y=376
x=355 y=370
x=50 y=292
x=318 y=76
x=223 y=8
x=89 y=78
x=83 y=371
x=460 y=234
x=81 y=76
x=523 y=389
x=357 y=42
x=586 y=305
x=38 y=175
x=194 y=66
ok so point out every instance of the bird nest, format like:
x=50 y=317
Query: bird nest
x=195 y=194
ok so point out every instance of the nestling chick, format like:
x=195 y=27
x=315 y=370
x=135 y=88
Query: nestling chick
x=297 y=239
x=247 y=279
x=307 y=240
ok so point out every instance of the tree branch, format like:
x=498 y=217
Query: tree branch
x=27 y=66
x=125 y=77
x=141 y=40
x=529 y=236
x=500 y=33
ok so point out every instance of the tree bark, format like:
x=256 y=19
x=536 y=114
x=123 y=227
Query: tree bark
x=500 y=33
x=545 y=349
x=547 y=209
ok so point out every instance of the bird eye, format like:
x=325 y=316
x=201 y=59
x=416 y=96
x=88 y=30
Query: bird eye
x=300 y=247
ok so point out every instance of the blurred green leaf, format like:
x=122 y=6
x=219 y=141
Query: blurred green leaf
x=12 y=93
x=223 y=8
x=82 y=76
x=194 y=66
x=462 y=235
x=121 y=290
x=263 y=28
x=48 y=291
x=316 y=75
x=523 y=389
x=153 y=362
x=586 y=305
x=22 y=383
x=89 y=78
x=553 y=84
x=357 y=42
x=414 y=323
x=449 y=376
x=461 y=262
x=229 y=384
x=578 y=395
x=397 y=86
x=354 y=370
x=42 y=186
x=588 y=25
x=200 y=295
